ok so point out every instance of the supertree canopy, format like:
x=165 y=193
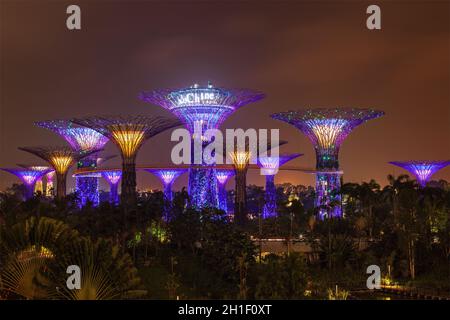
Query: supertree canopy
x=113 y=178
x=81 y=139
x=327 y=128
x=202 y=108
x=61 y=159
x=28 y=176
x=167 y=177
x=422 y=170
x=270 y=166
x=128 y=133
x=222 y=176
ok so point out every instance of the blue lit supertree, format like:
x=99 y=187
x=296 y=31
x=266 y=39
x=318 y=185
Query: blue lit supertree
x=28 y=176
x=81 y=140
x=422 y=169
x=113 y=178
x=269 y=167
x=327 y=129
x=202 y=108
x=222 y=176
x=167 y=177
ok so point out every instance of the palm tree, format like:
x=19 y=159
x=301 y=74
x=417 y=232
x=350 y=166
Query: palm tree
x=26 y=249
x=36 y=253
x=105 y=272
x=390 y=192
x=369 y=196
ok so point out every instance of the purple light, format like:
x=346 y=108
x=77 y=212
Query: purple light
x=79 y=138
x=328 y=196
x=167 y=177
x=113 y=178
x=327 y=129
x=28 y=176
x=206 y=107
x=271 y=164
x=84 y=139
x=202 y=108
x=422 y=170
x=270 y=167
x=222 y=176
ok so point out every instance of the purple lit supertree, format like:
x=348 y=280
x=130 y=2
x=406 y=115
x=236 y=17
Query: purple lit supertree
x=113 y=178
x=40 y=186
x=81 y=140
x=270 y=166
x=422 y=169
x=61 y=159
x=222 y=176
x=28 y=176
x=128 y=133
x=167 y=177
x=202 y=108
x=327 y=130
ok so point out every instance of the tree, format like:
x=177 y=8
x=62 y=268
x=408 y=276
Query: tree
x=281 y=277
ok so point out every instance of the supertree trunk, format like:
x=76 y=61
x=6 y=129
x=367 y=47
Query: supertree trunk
x=87 y=188
x=270 y=200
x=223 y=197
x=168 y=192
x=128 y=196
x=29 y=191
x=168 y=196
x=203 y=189
x=240 y=198
x=61 y=185
x=114 y=194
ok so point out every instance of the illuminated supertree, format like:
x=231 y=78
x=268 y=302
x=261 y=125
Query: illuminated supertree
x=28 y=176
x=81 y=140
x=270 y=166
x=240 y=164
x=327 y=130
x=128 y=133
x=61 y=159
x=202 y=108
x=113 y=178
x=40 y=186
x=222 y=176
x=422 y=170
x=167 y=177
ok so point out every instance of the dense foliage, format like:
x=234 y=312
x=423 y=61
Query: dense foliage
x=134 y=253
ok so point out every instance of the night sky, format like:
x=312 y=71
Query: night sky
x=301 y=54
